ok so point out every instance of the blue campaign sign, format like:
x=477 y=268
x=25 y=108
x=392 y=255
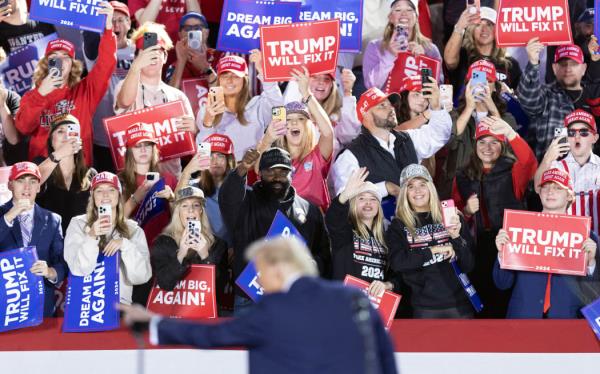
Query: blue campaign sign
x=591 y=313
x=17 y=70
x=21 y=291
x=79 y=14
x=151 y=206
x=248 y=278
x=350 y=14
x=596 y=18
x=239 y=30
x=466 y=284
x=91 y=299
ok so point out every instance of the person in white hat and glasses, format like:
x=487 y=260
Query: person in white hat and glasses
x=355 y=224
x=545 y=295
x=90 y=233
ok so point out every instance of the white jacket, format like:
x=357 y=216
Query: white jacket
x=81 y=252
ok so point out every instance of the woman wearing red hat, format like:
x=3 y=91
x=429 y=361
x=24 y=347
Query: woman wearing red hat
x=239 y=116
x=492 y=180
x=141 y=160
x=476 y=103
x=62 y=91
x=90 y=233
x=143 y=86
x=208 y=174
x=380 y=54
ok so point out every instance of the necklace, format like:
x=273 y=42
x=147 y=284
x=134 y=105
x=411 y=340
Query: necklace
x=154 y=100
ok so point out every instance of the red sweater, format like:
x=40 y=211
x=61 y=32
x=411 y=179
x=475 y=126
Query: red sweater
x=37 y=112
x=523 y=171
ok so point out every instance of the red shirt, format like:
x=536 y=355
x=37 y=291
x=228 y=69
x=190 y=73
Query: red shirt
x=37 y=112
x=169 y=14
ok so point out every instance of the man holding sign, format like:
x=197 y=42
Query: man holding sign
x=540 y=294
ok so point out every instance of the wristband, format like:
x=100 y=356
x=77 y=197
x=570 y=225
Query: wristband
x=53 y=159
x=134 y=199
x=305 y=101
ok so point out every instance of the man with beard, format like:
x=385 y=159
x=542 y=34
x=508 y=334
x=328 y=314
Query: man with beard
x=384 y=151
x=249 y=212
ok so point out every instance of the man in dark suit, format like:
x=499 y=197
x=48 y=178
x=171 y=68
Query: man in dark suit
x=24 y=223
x=543 y=295
x=302 y=325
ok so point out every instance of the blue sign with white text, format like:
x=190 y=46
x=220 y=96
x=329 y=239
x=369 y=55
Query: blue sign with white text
x=591 y=312
x=91 y=299
x=21 y=291
x=17 y=70
x=349 y=12
x=79 y=14
x=239 y=30
x=151 y=206
x=248 y=278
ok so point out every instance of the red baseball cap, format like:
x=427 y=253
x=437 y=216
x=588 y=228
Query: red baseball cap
x=235 y=64
x=108 y=178
x=412 y=83
x=582 y=116
x=60 y=45
x=483 y=65
x=570 y=51
x=483 y=130
x=220 y=143
x=120 y=7
x=24 y=168
x=557 y=176
x=137 y=133
x=369 y=99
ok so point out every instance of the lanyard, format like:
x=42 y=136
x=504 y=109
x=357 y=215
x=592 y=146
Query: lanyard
x=164 y=97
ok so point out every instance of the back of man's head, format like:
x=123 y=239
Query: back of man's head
x=286 y=251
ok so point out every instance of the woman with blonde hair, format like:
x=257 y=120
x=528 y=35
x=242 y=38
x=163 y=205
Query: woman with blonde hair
x=355 y=225
x=143 y=86
x=380 y=54
x=59 y=90
x=178 y=246
x=422 y=247
x=238 y=115
x=311 y=156
x=91 y=233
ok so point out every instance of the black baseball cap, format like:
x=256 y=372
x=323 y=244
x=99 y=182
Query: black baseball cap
x=275 y=158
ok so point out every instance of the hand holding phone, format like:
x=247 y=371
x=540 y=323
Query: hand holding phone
x=448 y=213
x=195 y=39
x=561 y=133
x=150 y=40
x=104 y=223
x=204 y=151
x=402 y=37
x=152 y=176
x=278 y=114
x=73 y=131
x=446 y=94
x=216 y=95
x=478 y=83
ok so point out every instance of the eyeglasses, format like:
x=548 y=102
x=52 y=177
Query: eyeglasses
x=187 y=28
x=584 y=133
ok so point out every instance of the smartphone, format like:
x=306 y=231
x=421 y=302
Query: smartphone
x=448 y=211
x=561 y=132
x=55 y=68
x=204 y=149
x=478 y=82
x=194 y=227
x=150 y=39
x=152 y=176
x=279 y=114
x=446 y=94
x=426 y=73
x=215 y=94
x=73 y=131
x=402 y=37
x=195 y=39
x=105 y=212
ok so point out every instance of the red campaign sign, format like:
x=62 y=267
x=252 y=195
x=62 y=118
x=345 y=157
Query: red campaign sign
x=196 y=91
x=311 y=44
x=407 y=65
x=542 y=242
x=193 y=296
x=162 y=118
x=385 y=304
x=521 y=20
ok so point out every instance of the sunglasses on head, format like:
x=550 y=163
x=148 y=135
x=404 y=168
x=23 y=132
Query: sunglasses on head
x=584 y=133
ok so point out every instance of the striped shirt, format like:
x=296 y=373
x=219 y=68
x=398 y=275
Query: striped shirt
x=586 y=182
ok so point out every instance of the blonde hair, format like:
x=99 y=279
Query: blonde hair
x=308 y=143
x=120 y=225
x=41 y=72
x=127 y=176
x=157 y=28
x=498 y=54
x=241 y=100
x=287 y=250
x=407 y=214
x=333 y=103
x=361 y=229
x=175 y=228
x=415 y=36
